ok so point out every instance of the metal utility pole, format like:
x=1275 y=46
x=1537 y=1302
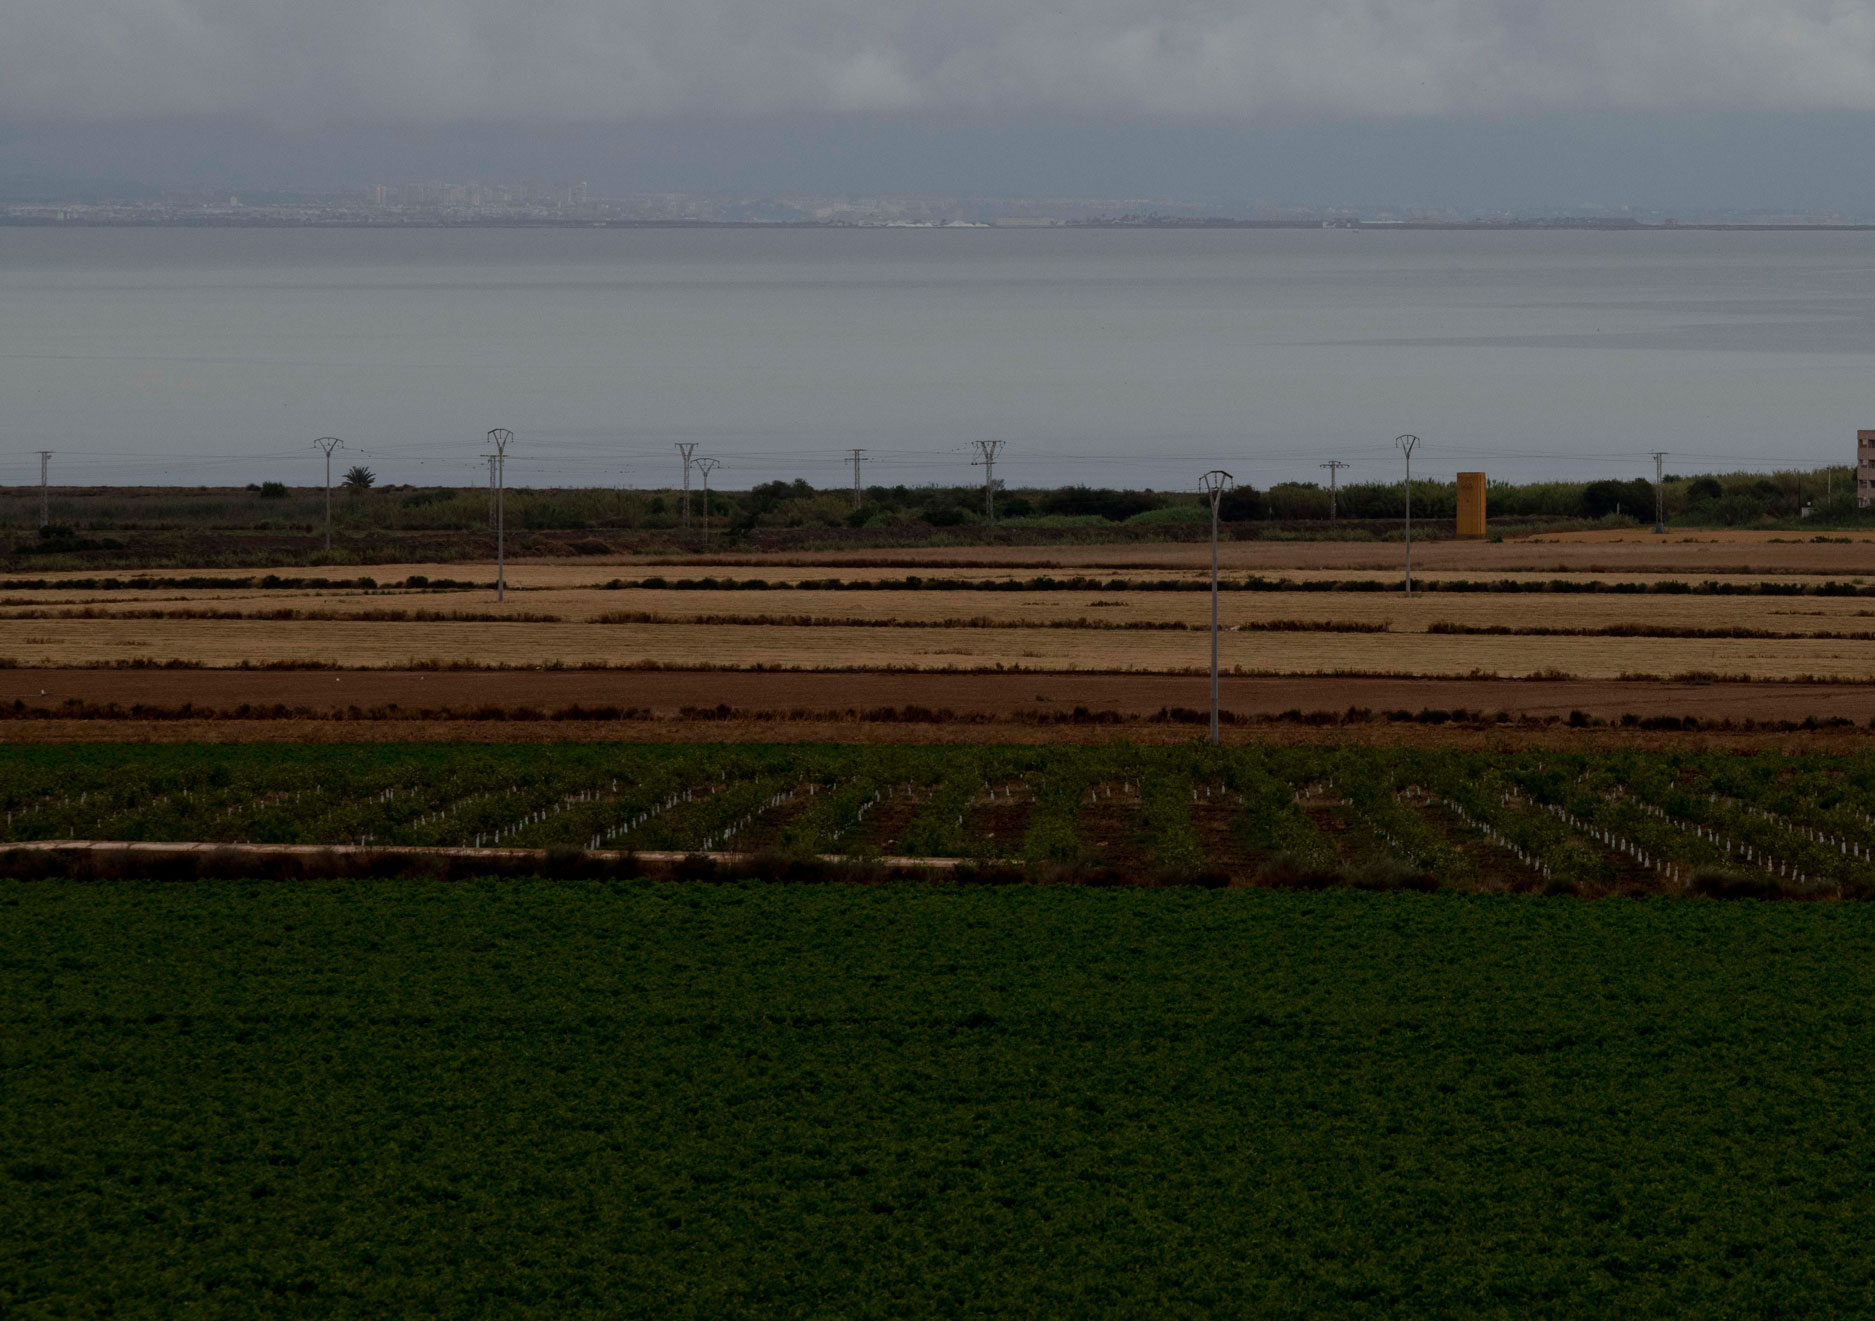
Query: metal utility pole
x=1660 y=495
x=988 y=449
x=45 y=505
x=328 y=444
x=491 y=491
x=859 y=494
x=1406 y=444
x=500 y=438
x=686 y=449
x=1334 y=466
x=707 y=466
x=1214 y=484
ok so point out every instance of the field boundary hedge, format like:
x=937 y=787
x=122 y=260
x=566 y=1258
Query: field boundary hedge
x=908 y=714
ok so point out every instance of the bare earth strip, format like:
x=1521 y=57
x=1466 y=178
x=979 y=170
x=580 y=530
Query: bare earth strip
x=1473 y=737
x=664 y=695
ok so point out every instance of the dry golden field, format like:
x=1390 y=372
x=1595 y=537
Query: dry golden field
x=561 y=614
x=231 y=643
x=1081 y=609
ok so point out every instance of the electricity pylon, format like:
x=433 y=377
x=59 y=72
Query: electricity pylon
x=706 y=466
x=500 y=438
x=328 y=444
x=1214 y=484
x=45 y=503
x=686 y=448
x=1406 y=444
x=988 y=449
x=1334 y=466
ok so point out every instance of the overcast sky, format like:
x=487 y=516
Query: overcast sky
x=1754 y=99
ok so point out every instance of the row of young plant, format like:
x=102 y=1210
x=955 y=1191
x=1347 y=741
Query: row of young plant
x=335 y=796
x=1696 y=806
x=1803 y=821
x=1564 y=841
x=1597 y=821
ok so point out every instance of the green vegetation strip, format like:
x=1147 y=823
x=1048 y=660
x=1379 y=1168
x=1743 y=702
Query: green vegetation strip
x=1767 y=825
x=537 y=1099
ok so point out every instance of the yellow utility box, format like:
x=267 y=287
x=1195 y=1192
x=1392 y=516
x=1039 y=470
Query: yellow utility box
x=1471 y=504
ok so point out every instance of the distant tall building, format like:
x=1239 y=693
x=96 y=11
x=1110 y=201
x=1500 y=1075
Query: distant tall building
x=1864 y=469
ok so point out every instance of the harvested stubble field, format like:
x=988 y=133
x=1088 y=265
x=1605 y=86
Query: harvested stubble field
x=1327 y=648
x=366 y=1099
x=1102 y=609
x=1784 y=616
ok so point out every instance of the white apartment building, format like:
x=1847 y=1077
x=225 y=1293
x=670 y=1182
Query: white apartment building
x=1864 y=469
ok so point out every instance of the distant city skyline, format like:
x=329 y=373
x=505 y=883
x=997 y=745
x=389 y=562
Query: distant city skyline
x=441 y=200
x=1466 y=106
x=1714 y=165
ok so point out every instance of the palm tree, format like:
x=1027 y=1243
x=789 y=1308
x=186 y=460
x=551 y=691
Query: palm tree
x=360 y=478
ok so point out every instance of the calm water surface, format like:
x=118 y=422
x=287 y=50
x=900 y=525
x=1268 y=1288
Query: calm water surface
x=1105 y=356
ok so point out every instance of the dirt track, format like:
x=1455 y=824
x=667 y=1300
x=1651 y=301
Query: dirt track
x=1014 y=697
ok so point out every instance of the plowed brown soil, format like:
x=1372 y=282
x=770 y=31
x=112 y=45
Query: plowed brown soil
x=1215 y=821
x=886 y=822
x=998 y=824
x=894 y=649
x=1111 y=828
x=1382 y=734
x=790 y=706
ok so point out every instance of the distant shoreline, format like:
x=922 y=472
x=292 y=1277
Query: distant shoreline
x=1382 y=226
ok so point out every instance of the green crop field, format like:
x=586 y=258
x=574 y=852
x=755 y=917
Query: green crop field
x=1606 y=822
x=556 y=1099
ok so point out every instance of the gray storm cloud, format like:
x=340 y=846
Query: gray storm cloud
x=295 y=61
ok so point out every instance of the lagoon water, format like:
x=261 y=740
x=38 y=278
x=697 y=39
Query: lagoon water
x=1109 y=356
